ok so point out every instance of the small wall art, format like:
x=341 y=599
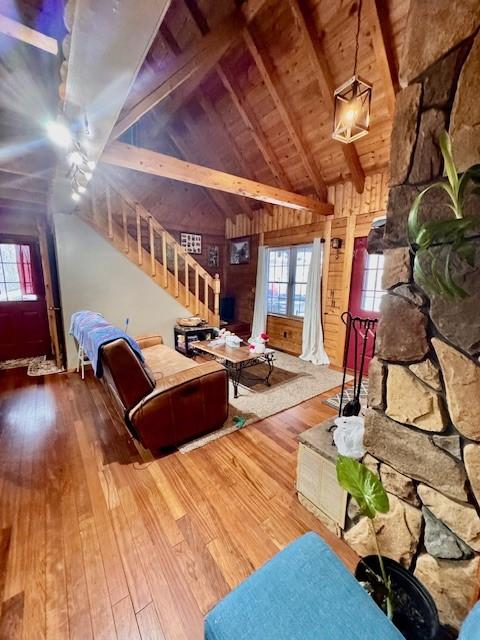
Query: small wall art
x=213 y=256
x=240 y=251
x=191 y=242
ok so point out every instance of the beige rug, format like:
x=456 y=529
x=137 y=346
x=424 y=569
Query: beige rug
x=293 y=381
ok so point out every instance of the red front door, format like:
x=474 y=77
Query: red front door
x=365 y=295
x=24 y=328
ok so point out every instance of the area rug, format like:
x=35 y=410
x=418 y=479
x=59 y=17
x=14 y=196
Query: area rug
x=43 y=367
x=19 y=363
x=293 y=381
x=334 y=401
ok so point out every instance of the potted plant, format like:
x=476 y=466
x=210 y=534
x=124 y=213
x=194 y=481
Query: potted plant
x=438 y=244
x=399 y=594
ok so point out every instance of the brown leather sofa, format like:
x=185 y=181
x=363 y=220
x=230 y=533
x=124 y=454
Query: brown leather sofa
x=169 y=399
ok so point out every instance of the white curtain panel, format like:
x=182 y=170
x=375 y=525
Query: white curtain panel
x=259 y=323
x=312 y=337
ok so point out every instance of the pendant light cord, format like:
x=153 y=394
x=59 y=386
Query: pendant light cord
x=357 y=37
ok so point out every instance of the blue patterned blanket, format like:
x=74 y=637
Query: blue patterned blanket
x=92 y=331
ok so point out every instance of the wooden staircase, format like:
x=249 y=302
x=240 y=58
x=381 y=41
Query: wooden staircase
x=130 y=228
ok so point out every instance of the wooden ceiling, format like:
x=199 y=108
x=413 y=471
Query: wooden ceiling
x=246 y=88
x=264 y=110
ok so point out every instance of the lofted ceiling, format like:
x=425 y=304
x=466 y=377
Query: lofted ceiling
x=245 y=88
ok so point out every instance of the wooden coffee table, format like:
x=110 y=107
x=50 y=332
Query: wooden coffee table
x=235 y=359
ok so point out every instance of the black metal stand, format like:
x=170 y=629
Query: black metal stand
x=362 y=327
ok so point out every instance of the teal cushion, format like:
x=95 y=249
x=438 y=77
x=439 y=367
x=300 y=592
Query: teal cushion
x=471 y=626
x=304 y=593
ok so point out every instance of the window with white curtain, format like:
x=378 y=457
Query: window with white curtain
x=287 y=280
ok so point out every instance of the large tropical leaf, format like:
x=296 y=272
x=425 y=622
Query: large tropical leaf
x=449 y=164
x=363 y=485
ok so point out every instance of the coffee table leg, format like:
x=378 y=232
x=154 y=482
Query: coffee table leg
x=236 y=373
x=270 y=370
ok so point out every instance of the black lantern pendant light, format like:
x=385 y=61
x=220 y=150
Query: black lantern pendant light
x=352 y=102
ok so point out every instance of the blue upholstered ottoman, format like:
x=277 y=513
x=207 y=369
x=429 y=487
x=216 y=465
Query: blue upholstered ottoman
x=303 y=593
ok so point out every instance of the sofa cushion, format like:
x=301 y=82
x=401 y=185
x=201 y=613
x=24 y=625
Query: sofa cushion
x=304 y=593
x=164 y=361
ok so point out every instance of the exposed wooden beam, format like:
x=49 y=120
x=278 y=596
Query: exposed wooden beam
x=129 y=157
x=194 y=63
x=251 y=8
x=250 y=120
x=265 y=68
x=20 y=32
x=28 y=166
x=383 y=54
x=16 y=205
x=326 y=83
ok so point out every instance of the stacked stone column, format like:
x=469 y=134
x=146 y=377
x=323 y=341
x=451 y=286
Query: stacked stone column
x=423 y=420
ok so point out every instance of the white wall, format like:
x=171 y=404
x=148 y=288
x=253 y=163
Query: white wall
x=94 y=275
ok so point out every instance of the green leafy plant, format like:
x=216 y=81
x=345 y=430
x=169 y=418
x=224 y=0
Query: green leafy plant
x=450 y=235
x=368 y=492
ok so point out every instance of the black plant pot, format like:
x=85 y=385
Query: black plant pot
x=415 y=614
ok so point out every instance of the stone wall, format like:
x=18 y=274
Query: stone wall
x=423 y=420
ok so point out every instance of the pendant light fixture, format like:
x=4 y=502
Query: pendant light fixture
x=352 y=101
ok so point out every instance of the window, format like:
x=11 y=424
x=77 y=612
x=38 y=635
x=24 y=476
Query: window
x=372 y=291
x=16 y=280
x=287 y=280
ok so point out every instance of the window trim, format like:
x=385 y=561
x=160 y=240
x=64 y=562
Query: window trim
x=293 y=250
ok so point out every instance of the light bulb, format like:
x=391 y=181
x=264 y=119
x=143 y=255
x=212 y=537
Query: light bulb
x=75 y=196
x=81 y=188
x=76 y=158
x=59 y=134
x=88 y=175
x=91 y=164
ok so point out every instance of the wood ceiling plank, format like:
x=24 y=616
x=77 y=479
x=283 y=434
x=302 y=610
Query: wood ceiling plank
x=377 y=18
x=251 y=122
x=215 y=118
x=264 y=66
x=193 y=64
x=25 y=34
x=130 y=157
x=217 y=198
x=326 y=83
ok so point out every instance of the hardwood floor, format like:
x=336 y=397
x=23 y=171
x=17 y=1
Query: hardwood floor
x=98 y=541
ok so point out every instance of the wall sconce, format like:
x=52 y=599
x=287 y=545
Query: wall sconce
x=336 y=244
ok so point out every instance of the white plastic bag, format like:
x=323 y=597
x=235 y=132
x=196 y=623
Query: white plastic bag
x=348 y=436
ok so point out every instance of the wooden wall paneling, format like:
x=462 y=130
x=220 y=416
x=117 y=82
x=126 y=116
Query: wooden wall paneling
x=285 y=334
x=327 y=234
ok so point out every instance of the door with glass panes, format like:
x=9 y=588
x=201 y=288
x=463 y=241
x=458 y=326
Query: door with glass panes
x=24 y=328
x=365 y=293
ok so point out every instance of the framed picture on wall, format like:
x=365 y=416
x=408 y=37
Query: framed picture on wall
x=213 y=256
x=240 y=251
x=191 y=242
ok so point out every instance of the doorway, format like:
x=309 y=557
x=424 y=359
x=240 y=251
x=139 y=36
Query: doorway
x=24 y=329
x=365 y=294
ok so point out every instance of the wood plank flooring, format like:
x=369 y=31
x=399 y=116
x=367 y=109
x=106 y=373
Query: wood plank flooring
x=99 y=541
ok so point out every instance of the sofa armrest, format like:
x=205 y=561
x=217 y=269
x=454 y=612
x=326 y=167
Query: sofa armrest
x=182 y=406
x=149 y=341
